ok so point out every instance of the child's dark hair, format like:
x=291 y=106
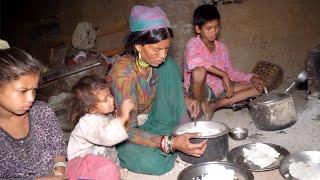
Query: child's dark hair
x=205 y=13
x=146 y=37
x=82 y=98
x=15 y=63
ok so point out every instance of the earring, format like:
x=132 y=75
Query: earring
x=141 y=62
x=139 y=56
x=163 y=59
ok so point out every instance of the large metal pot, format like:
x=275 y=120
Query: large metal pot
x=273 y=111
x=217 y=145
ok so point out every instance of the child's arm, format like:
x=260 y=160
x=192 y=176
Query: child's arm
x=124 y=112
x=101 y=130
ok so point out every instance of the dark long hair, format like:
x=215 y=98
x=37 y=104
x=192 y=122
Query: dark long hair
x=146 y=37
x=15 y=63
x=82 y=98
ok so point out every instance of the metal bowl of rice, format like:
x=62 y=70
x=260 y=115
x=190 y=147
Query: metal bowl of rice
x=217 y=170
x=215 y=132
x=303 y=165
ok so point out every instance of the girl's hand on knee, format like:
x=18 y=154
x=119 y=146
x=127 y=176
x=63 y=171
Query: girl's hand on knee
x=183 y=144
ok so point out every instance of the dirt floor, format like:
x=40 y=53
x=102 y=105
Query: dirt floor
x=303 y=135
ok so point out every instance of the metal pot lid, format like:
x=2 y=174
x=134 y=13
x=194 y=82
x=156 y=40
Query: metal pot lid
x=209 y=129
x=271 y=97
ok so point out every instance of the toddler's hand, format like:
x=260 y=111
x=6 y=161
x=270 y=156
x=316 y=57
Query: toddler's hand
x=125 y=109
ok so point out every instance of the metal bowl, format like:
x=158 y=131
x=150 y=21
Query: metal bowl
x=238 y=133
x=303 y=156
x=217 y=145
x=197 y=171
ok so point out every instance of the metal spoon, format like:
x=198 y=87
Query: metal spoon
x=265 y=90
x=302 y=77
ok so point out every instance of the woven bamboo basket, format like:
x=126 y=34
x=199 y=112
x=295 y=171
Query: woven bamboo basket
x=271 y=74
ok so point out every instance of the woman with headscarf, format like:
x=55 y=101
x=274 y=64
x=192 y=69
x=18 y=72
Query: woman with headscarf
x=151 y=79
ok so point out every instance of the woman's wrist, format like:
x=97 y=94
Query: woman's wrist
x=174 y=145
x=167 y=144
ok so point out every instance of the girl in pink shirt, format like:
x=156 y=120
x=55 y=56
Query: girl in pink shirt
x=208 y=73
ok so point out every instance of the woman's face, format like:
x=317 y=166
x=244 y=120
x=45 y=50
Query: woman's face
x=17 y=97
x=105 y=102
x=154 y=54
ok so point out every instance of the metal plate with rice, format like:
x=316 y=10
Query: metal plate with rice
x=303 y=156
x=236 y=155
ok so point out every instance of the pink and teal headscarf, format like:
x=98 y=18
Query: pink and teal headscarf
x=146 y=18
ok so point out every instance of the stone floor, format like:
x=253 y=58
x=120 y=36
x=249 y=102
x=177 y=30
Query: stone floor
x=303 y=135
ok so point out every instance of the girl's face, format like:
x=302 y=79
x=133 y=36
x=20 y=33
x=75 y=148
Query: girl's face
x=105 y=103
x=17 y=97
x=154 y=54
x=209 y=31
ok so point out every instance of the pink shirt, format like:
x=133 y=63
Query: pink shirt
x=197 y=54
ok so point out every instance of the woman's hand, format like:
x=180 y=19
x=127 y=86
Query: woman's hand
x=193 y=106
x=257 y=83
x=227 y=85
x=183 y=144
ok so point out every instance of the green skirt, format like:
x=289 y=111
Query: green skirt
x=167 y=110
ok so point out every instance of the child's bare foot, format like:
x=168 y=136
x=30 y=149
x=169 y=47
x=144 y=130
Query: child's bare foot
x=208 y=109
x=123 y=173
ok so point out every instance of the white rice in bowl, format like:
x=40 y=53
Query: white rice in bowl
x=203 y=131
x=217 y=172
x=305 y=170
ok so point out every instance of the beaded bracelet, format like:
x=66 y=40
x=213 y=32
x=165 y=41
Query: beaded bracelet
x=60 y=164
x=170 y=144
x=166 y=144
